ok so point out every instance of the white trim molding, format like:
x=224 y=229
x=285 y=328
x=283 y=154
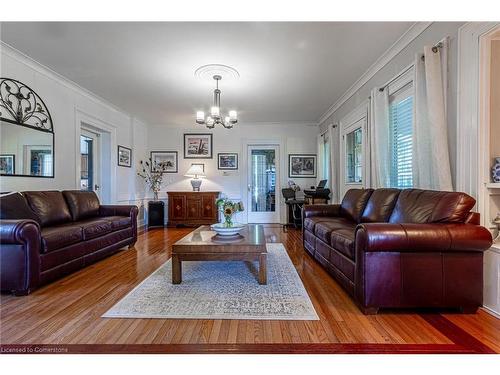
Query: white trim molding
x=468 y=113
x=413 y=32
x=473 y=139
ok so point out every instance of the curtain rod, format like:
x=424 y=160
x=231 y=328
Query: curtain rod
x=405 y=70
x=435 y=48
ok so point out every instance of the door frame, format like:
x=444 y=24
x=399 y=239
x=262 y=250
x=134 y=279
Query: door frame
x=281 y=175
x=93 y=123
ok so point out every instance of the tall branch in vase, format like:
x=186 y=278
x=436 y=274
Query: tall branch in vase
x=152 y=174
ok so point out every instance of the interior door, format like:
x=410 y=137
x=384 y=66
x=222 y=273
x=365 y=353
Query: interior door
x=263 y=184
x=90 y=175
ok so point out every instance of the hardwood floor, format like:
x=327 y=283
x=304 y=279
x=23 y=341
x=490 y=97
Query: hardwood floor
x=67 y=314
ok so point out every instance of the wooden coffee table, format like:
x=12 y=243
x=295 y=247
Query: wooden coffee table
x=204 y=245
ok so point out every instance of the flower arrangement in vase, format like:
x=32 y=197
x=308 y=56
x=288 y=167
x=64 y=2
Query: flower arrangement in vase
x=152 y=176
x=228 y=209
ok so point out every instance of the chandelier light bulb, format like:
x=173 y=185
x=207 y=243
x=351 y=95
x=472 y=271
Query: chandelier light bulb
x=200 y=116
x=215 y=112
x=233 y=115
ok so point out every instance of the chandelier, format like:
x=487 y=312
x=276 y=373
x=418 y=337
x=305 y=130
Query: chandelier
x=215 y=112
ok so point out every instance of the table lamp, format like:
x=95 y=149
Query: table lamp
x=195 y=171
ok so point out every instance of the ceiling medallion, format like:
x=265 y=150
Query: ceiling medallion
x=215 y=116
x=209 y=71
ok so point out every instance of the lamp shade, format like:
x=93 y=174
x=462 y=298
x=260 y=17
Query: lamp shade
x=195 y=171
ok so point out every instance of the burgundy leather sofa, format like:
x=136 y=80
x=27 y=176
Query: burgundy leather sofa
x=393 y=248
x=45 y=235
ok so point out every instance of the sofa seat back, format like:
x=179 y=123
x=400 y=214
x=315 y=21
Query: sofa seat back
x=82 y=204
x=428 y=206
x=380 y=206
x=49 y=206
x=354 y=203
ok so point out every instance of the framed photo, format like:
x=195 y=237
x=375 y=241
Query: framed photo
x=166 y=161
x=202 y=166
x=302 y=165
x=124 y=156
x=198 y=146
x=227 y=160
x=7 y=164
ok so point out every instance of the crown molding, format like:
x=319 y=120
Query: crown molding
x=62 y=80
x=414 y=31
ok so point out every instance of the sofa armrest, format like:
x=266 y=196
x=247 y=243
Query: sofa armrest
x=19 y=255
x=311 y=210
x=385 y=237
x=118 y=210
x=19 y=232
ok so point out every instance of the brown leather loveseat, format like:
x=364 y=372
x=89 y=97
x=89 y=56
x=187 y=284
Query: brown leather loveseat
x=393 y=248
x=48 y=234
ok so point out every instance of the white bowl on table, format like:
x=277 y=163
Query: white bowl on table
x=222 y=230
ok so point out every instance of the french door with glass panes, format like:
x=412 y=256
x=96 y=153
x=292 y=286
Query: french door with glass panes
x=90 y=161
x=263 y=184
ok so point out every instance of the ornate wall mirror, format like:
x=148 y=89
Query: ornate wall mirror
x=26 y=132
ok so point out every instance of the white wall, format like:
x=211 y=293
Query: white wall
x=433 y=34
x=64 y=99
x=296 y=138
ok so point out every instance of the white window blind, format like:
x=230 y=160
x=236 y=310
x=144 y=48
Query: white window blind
x=401 y=137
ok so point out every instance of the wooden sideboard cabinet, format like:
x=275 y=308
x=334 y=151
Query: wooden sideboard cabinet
x=192 y=208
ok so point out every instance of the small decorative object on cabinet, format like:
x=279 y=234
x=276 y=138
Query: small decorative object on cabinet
x=156 y=214
x=192 y=208
x=196 y=171
x=495 y=171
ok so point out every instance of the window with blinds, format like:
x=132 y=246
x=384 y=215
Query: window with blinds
x=401 y=137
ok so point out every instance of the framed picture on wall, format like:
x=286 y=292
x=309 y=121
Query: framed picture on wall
x=165 y=161
x=124 y=156
x=302 y=165
x=227 y=161
x=7 y=164
x=198 y=146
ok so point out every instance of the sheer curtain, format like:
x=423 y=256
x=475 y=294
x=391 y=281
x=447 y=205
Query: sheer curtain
x=379 y=138
x=431 y=161
x=325 y=157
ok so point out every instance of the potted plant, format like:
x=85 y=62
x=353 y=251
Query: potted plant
x=152 y=176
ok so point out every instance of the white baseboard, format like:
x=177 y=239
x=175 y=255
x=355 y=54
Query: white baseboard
x=490 y=311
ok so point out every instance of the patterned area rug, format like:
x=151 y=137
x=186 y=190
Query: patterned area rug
x=221 y=290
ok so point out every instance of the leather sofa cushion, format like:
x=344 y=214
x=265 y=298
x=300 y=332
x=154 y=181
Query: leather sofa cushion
x=14 y=206
x=57 y=237
x=325 y=229
x=342 y=240
x=82 y=204
x=428 y=206
x=380 y=205
x=93 y=228
x=49 y=206
x=310 y=222
x=354 y=203
x=118 y=222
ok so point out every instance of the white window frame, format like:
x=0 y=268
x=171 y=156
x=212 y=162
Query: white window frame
x=358 y=118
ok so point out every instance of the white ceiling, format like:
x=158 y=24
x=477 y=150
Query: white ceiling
x=290 y=72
